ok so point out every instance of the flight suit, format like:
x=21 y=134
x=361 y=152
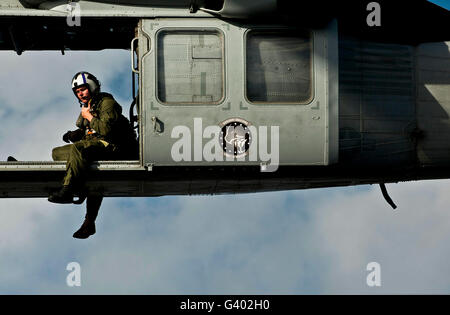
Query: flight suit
x=108 y=136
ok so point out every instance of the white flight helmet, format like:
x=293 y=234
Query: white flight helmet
x=84 y=78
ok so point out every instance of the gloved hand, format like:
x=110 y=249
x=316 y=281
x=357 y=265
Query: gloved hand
x=73 y=136
x=66 y=136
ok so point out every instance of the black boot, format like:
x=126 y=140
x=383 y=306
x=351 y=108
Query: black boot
x=87 y=229
x=65 y=195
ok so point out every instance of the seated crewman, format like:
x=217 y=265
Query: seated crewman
x=103 y=134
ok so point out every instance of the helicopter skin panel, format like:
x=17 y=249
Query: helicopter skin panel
x=97 y=9
x=56 y=25
x=433 y=102
x=209 y=180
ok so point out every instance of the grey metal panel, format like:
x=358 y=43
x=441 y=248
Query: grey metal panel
x=13 y=4
x=16 y=8
x=376 y=102
x=50 y=166
x=433 y=102
x=102 y=8
x=332 y=102
x=304 y=133
x=242 y=9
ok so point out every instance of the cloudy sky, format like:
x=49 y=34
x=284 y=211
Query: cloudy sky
x=310 y=241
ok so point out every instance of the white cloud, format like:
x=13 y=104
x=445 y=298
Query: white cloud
x=37 y=78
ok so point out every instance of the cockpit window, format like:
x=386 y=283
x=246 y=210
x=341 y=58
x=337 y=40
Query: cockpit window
x=190 y=67
x=279 y=67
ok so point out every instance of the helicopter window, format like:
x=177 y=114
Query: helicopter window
x=190 y=67
x=279 y=67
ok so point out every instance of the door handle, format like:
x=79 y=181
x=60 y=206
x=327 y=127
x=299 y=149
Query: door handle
x=133 y=68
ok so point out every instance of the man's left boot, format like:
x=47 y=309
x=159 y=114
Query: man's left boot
x=87 y=229
x=64 y=195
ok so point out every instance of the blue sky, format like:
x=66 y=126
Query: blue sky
x=310 y=241
x=442 y=3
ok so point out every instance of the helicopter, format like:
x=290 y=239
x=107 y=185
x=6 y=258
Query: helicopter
x=235 y=96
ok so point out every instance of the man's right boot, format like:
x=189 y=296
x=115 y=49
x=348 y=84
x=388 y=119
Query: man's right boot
x=87 y=229
x=64 y=195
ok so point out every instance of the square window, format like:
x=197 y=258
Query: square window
x=190 y=67
x=279 y=67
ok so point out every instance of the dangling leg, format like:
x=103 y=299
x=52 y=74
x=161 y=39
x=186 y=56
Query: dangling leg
x=64 y=195
x=75 y=170
x=78 y=156
x=87 y=229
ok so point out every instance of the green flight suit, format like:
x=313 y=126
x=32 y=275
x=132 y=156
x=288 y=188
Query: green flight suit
x=112 y=139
